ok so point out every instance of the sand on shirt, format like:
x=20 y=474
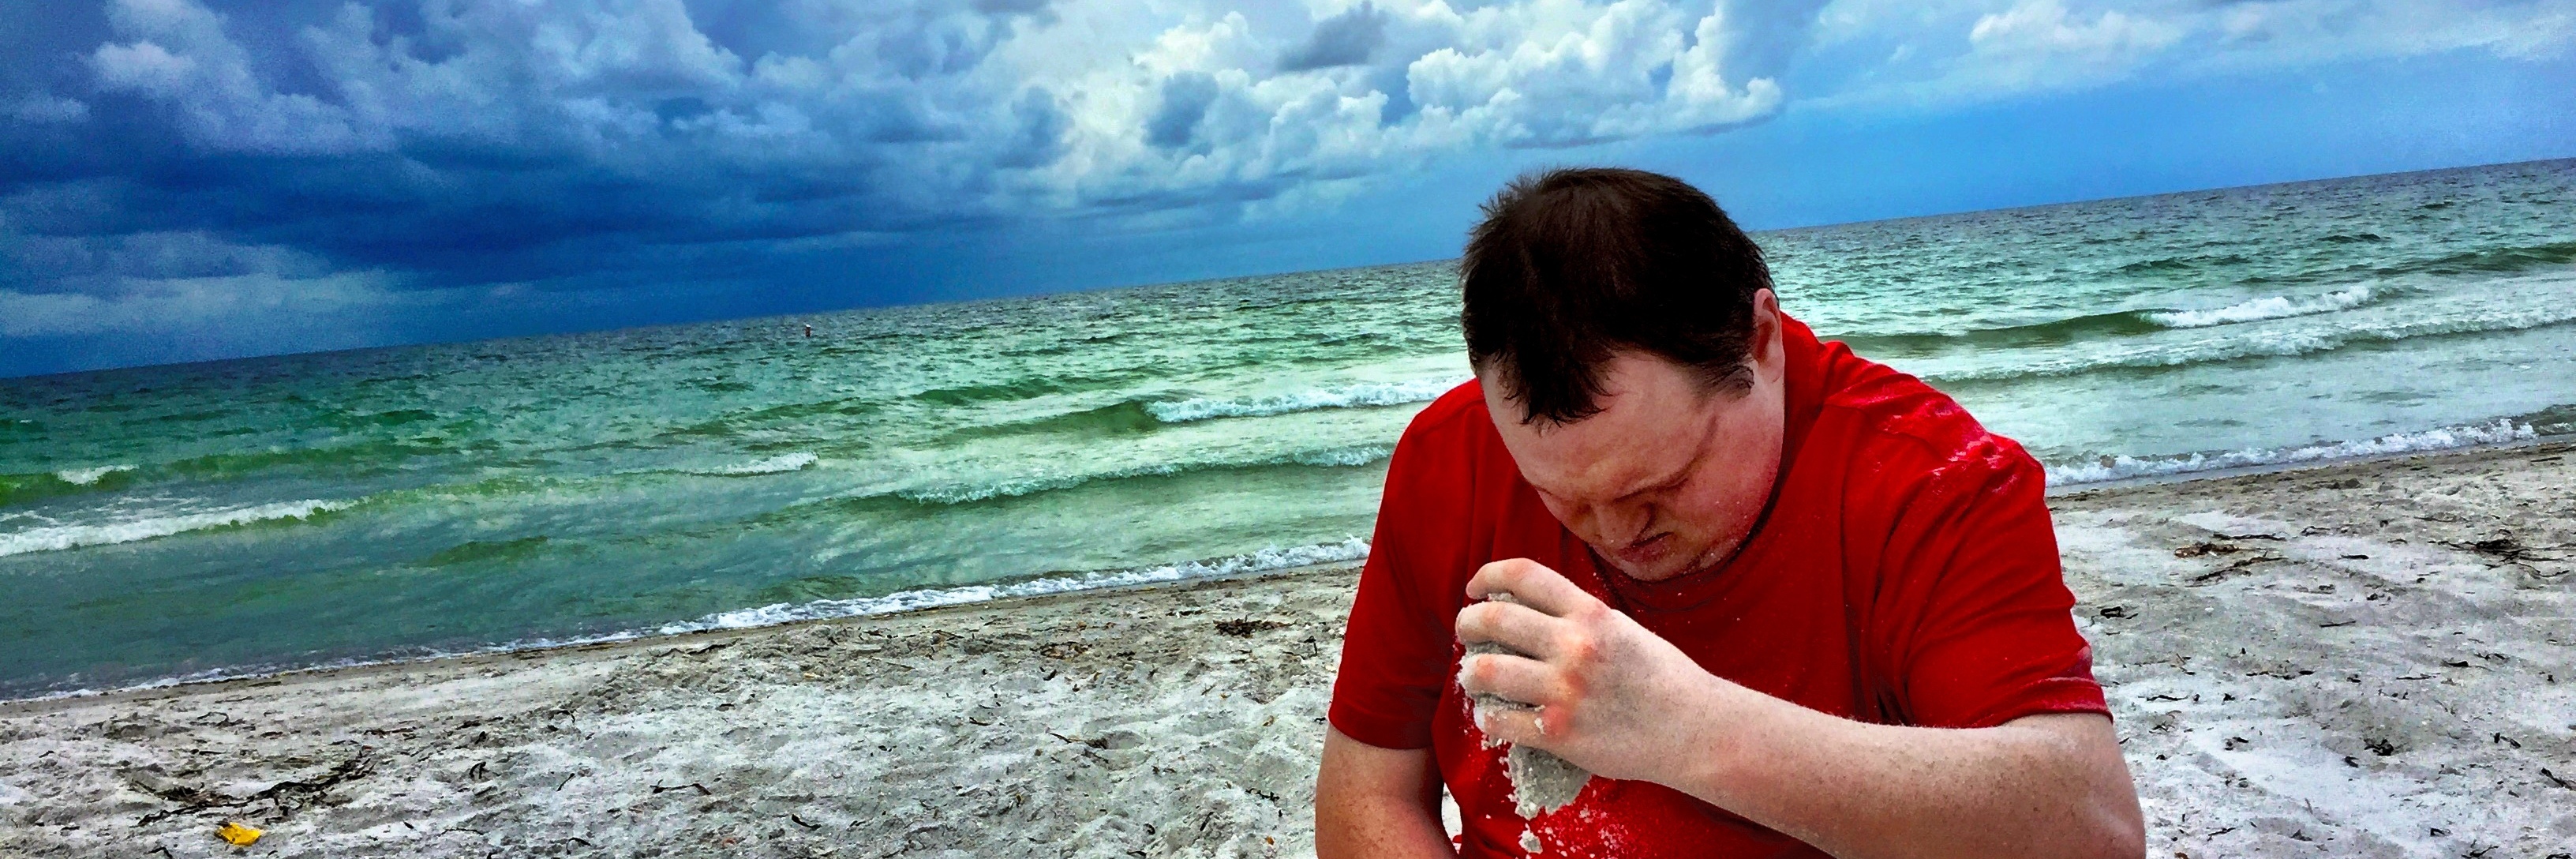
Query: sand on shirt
x=2367 y=659
x=1541 y=781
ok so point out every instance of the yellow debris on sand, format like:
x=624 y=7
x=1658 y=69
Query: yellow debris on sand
x=238 y=834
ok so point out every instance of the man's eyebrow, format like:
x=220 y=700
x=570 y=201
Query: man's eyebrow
x=1679 y=475
x=1675 y=479
x=1686 y=471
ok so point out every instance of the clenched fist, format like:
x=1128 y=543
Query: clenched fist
x=1606 y=694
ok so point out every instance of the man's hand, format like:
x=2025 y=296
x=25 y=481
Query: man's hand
x=1610 y=696
x=1615 y=698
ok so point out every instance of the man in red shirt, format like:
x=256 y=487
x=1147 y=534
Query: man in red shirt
x=1779 y=600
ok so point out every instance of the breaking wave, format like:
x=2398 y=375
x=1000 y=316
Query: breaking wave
x=16 y=488
x=779 y=464
x=2112 y=325
x=338 y=460
x=90 y=476
x=1363 y=395
x=60 y=537
x=2127 y=467
x=2273 y=307
x=1340 y=457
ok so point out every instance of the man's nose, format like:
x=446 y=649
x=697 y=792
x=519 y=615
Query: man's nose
x=1624 y=524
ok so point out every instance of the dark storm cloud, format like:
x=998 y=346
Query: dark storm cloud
x=482 y=141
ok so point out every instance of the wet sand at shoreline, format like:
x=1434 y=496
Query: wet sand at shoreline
x=2363 y=659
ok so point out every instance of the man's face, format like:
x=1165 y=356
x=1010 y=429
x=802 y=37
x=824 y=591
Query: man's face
x=1670 y=476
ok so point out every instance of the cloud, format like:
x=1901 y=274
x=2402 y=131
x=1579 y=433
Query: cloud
x=196 y=306
x=40 y=109
x=1569 y=78
x=222 y=297
x=180 y=56
x=1185 y=100
x=2038 y=43
x=1764 y=36
x=1346 y=39
x=1932 y=54
x=154 y=297
x=2043 y=27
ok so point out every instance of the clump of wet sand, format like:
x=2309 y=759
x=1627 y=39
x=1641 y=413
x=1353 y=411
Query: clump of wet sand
x=1541 y=781
x=2370 y=659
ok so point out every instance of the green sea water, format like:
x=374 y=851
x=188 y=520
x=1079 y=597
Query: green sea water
x=243 y=516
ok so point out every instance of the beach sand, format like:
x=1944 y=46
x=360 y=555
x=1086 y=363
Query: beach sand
x=2363 y=659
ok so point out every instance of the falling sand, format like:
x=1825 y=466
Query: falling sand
x=1541 y=781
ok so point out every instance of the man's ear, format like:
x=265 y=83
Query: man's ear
x=1768 y=350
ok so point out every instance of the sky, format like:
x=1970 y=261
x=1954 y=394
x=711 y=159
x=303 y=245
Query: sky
x=186 y=180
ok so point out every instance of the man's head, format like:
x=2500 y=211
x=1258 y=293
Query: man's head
x=1629 y=344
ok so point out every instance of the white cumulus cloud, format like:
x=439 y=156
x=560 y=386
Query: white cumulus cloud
x=1930 y=54
x=956 y=109
x=180 y=54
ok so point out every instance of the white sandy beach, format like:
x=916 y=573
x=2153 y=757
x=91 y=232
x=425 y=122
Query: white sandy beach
x=2365 y=659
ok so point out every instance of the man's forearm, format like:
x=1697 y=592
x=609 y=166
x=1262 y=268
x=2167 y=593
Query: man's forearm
x=2038 y=786
x=1373 y=803
x=1378 y=831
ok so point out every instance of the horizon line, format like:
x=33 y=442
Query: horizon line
x=1241 y=276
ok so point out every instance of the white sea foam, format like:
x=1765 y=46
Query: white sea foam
x=2125 y=467
x=1331 y=457
x=87 y=476
x=1273 y=558
x=59 y=537
x=2273 y=307
x=1343 y=457
x=1363 y=395
x=780 y=464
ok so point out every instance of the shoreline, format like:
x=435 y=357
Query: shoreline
x=15 y=706
x=646 y=637
x=2558 y=441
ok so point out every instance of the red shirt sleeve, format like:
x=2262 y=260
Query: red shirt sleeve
x=1397 y=653
x=1985 y=632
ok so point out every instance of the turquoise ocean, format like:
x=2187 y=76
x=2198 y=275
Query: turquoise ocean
x=236 y=517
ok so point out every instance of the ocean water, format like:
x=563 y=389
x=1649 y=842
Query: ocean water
x=243 y=516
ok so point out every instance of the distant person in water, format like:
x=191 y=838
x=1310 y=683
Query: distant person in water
x=809 y=329
x=1778 y=599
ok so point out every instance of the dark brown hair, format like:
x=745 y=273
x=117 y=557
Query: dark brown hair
x=1572 y=265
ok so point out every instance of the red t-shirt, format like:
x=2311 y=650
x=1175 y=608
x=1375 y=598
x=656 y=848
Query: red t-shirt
x=1905 y=573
